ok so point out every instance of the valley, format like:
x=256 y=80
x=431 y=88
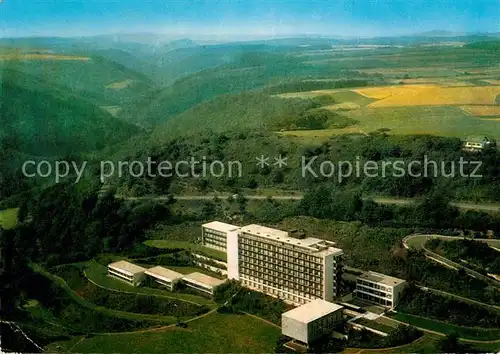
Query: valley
x=134 y=100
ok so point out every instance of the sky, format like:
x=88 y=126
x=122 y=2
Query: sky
x=237 y=19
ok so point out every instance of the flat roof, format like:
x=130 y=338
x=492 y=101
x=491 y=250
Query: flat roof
x=381 y=278
x=163 y=273
x=203 y=280
x=312 y=310
x=325 y=247
x=220 y=226
x=127 y=267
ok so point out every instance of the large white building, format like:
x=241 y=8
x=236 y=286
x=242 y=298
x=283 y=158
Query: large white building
x=379 y=288
x=163 y=276
x=311 y=321
x=214 y=234
x=293 y=269
x=127 y=271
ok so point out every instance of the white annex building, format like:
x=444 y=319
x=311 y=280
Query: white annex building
x=164 y=276
x=127 y=271
x=379 y=288
x=202 y=282
x=296 y=270
x=214 y=234
x=311 y=321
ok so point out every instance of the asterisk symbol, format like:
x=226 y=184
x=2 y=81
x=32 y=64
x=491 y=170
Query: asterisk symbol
x=262 y=161
x=280 y=161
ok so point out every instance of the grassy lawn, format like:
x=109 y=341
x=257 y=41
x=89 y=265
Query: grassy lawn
x=375 y=325
x=98 y=274
x=161 y=320
x=447 y=328
x=215 y=333
x=193 y=247
x=8 y=218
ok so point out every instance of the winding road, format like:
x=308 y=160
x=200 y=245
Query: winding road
x=417 y=241
x=488 y=207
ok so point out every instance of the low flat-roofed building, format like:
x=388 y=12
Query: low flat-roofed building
x=214 y=234
x=127 y=271
x=379 y=288
x=202 y=282
x=311 y=321
x=164 y=276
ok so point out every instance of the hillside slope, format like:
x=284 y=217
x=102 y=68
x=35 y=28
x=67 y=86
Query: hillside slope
x=42 y=120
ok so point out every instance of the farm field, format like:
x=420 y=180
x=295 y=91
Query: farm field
x=120 y=85
x=442 y=121
x=482 y=111
x=40 y=56
x=215 y=333
x=8 y=218
x=427 y=95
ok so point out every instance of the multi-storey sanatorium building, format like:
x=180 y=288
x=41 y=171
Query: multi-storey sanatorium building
x=295 y=270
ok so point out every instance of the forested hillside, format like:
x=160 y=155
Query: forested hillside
x=41 y=120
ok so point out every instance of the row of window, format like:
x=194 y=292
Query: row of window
x=303 y=273
x=246 y=242
x=375 y=292
x=289 y=295
x=373 y=299
x=374 y=286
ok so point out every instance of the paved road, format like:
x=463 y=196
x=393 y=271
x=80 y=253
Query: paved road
x=417 y=241
x=299 y=196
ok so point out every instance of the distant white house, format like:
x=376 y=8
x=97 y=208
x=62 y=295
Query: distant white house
x=478 y=143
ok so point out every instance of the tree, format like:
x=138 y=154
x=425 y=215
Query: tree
x=449 y=344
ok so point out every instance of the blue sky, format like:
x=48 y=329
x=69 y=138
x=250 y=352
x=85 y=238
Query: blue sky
x=251 y=18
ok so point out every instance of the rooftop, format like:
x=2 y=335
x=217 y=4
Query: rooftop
x=163 y=273
x=203 y=279
x=309 y=243
x=220 y=226
x=127 y=267
x=312 y=310
x=381 y=278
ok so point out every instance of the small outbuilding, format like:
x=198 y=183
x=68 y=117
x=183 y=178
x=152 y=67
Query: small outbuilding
x=311 y=321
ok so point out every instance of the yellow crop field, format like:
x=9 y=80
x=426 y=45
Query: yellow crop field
x=35 y=56
x=430 y=95
x=120 y=85
x=482 y=111
x=384 y=92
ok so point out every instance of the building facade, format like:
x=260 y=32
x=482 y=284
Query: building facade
x=163 y=276
x=294 y=270
x=215 y=233
x=127 y=271
x=311 y=321
x=379 y=288
x=202 y=282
